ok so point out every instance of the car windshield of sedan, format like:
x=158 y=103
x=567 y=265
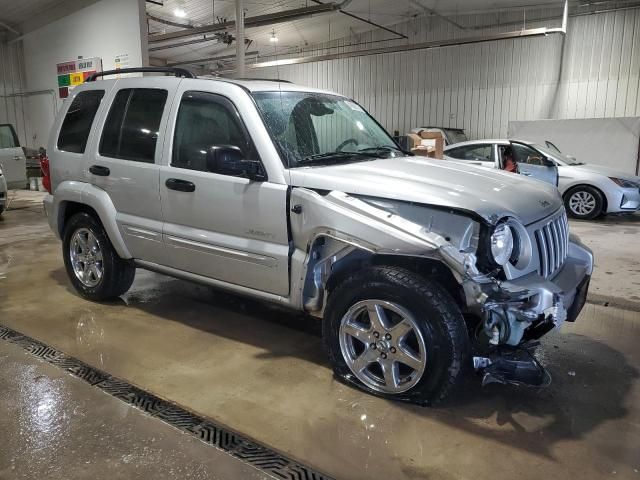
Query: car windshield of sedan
x=557 y=155
x=320 y=129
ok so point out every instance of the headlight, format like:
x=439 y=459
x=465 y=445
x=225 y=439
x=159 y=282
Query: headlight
x=623 y=183
x=502 y=244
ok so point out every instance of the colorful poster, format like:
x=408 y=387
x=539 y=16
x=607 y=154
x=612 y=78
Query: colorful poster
x=74 y=73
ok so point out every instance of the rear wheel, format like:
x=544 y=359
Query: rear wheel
x=93 y=266
x=394 y=333
x=584 y=202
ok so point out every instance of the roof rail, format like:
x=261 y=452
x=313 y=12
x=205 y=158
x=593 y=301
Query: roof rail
x=178 y=72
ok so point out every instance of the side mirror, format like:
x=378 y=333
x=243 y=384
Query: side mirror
x=229 y=160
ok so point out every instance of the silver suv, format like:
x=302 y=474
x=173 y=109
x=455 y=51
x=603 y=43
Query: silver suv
x=299 y=197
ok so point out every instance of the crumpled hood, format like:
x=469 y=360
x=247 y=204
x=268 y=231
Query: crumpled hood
x=606 y=171
x=490 y=194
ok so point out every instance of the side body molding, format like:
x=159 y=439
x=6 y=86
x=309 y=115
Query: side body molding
x=94 y=197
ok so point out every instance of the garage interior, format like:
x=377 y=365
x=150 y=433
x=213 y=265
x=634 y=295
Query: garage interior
x=180 y=380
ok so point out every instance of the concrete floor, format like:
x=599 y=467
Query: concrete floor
x=262 y=372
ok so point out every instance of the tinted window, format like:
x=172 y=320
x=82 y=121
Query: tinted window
x=131 y=129
x=8 y=138
x=477 y=153
x=206 y=120
x=76 y=126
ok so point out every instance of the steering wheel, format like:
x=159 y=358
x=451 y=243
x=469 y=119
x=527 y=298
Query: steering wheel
x=345 y=143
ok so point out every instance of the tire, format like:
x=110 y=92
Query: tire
x=437 y=322
x=116 y=274
x=584 y=202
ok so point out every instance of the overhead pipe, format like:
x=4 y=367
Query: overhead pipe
x=7 y=27
x=208 y=59
x=533 y=32
x=362 y=19
x=257 y=21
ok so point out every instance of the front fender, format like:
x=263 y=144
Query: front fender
x=91 y=196
x=351 y=223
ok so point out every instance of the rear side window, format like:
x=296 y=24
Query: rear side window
x=77 y=123
x=131 y=129
x=8 y=137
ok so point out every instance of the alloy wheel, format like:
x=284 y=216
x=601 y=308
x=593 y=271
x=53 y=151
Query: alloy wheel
x=85 y=254
x=382 y=345
x=582 y=203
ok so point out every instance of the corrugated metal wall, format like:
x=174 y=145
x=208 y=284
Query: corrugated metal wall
x=12 y=81
x=592 y=72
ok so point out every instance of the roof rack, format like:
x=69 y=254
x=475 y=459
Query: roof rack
x=178 y=72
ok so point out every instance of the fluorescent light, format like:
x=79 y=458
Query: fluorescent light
x=180 y=13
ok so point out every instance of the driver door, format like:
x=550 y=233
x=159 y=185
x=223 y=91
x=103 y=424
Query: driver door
x=218 y=225
x=532 y=163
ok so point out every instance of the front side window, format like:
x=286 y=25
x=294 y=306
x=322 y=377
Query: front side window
x=205 y=121
x=77 y=123
x=313 y=129
x=8 y=137
x=131 y=129
x=475 y=153
x=526 y=154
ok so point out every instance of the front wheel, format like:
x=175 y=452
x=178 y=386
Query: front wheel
x=93 y=266
x=396 y=334
x=584 y=203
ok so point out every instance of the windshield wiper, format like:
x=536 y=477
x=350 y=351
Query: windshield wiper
x=383 y=149
x=331 y=156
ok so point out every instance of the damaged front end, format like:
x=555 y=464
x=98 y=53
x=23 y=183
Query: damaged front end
x=511 y=304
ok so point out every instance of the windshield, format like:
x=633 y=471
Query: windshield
x=456 y=136
x=557 y=155
x=318 y=129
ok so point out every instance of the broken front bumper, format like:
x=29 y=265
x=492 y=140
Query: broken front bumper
x=532 y=305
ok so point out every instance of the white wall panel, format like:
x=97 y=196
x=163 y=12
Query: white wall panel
x=592 y=72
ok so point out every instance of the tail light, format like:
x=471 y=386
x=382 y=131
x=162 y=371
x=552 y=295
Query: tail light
x=46 y=175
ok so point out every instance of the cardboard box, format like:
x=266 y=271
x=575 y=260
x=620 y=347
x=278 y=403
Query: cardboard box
x=435 y=139
x=426 y=144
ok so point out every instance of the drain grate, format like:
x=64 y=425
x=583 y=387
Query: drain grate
x=259 y=456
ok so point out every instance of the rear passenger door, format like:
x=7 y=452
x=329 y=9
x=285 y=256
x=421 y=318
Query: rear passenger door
x=126 y=161
x=481 y=155
x=221 y=226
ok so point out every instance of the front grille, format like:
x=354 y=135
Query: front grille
x=553 y=245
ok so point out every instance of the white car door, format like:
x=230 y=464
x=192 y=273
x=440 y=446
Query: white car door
x=125 y=161
x=219 y=223
x=532 y=163
x=12 y=159
x=481 y=155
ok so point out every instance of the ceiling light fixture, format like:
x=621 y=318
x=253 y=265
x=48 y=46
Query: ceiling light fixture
x=180 y=12
x=273 y=38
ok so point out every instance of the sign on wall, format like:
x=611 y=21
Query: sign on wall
x=74 y=73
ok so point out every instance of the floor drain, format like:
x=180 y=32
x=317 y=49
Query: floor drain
x=244 y=449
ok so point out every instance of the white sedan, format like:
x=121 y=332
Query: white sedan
x=588 y=190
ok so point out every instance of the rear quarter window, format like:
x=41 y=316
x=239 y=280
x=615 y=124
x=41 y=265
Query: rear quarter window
x=77 y=123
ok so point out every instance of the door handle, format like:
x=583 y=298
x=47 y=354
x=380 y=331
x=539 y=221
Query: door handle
x=99 y=170
x=17 y=157
x=180 y=185
x=526 y=174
